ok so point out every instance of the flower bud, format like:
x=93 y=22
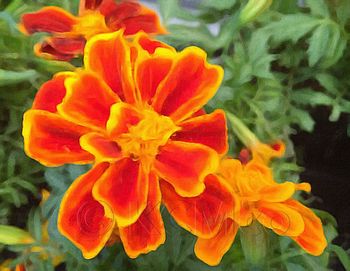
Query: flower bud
x=253 y=9
x=10 y=235
x=254 y=244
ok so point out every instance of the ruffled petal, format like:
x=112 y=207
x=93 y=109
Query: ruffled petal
x=60 y=48
x=147 y=233
x=122 y=116
x=88 y=5
x=185 y=165
x=229 y=169
x=244 y=216
x=123 y=188
x=209 y=130
x=48 y=19
x=51 y=93
x=132 y=17
x=312 y=239
x=150 y=71
x=277 y=192
x=150 y=45
x=212 y=250
x=85 y=223
x=201 y=215
x=52 y=140
x=102 y=148
x=109 y=56
x=88 y=101
x=189 y=86
x=280 y=218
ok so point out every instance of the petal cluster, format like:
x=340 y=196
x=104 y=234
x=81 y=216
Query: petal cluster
x=69 y=33
x=135 y=112
x=246 y=192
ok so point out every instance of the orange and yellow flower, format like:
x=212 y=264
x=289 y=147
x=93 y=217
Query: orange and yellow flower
x=69 y=32
x=255 y=196
x=135 y=112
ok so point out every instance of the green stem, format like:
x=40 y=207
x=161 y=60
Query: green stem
x=246 y=136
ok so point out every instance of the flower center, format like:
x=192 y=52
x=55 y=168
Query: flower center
x=142 y=141
x=90 y=24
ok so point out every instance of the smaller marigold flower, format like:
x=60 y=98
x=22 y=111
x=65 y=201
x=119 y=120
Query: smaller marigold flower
x=69 y=32
x=245 y=193
x=135 y=112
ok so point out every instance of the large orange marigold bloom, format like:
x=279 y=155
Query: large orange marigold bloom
x=256 y=197
x=69 y=32
x=135 y=112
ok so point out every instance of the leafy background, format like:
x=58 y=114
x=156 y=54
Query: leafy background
x=280 y=67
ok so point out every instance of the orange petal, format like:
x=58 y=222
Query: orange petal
x=147 y=233
x=260 y=168
x=210 y=130
x=109 y=56
x=201 y=215
x=150 y=70
x=277 y=192
x=51 y=93
x=133 y=17
x=189 y=85
x=312 y=239
x=48 y=19
x=88 y=101
x=123 y=188
x=265 y=153
x=244 y=216
x=279 y=217
x=212 y=250
x=52 y=140
x=229 y=169
x=60 y=48
x=150 y=45
x=185 y=165
x=303 y=187
x=102 y=148
x=122 y=116
x=84 y=222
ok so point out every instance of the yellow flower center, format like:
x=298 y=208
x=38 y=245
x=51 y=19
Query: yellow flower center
x=144 y=139
x=90 y=24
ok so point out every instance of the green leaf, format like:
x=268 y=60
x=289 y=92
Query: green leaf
x=342 y=8
x=329 y=82
x=336 y=111
x=318 y=7
x=303 y=119
x=336 y=46
x=172 y=9
x=311 y=97
x=294 y=267
x=319 y=43
x=219 y=5
x=259 y=57
x=12 y=77
x=291 y=27
x=342 y=255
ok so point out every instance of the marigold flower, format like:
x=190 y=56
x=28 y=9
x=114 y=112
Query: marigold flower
x=133 y=111
x=69 y=32
x=255 y=196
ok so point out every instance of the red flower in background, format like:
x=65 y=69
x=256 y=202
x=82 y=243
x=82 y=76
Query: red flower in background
x=69 y=32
